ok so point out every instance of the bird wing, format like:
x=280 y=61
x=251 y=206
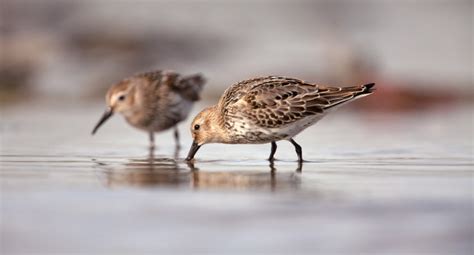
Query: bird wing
x=189 y=86
x=155 y=87
x=273 y=101
x=280 y=101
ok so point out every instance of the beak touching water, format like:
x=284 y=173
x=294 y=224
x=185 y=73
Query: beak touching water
x=192 y=151
x=107 y=114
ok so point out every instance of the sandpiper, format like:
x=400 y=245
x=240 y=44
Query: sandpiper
x=268 y=109
x=153 y=101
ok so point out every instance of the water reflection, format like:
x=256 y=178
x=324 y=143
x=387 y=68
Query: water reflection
x=146 y=172
x=154 y=171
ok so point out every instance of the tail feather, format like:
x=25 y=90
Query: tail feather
x=368 y=88
x=348 y=94
x=190 y=86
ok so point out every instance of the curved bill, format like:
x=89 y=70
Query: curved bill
x=107 y=114
x=192 y=151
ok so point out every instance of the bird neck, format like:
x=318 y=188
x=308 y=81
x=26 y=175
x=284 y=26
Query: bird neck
x=220 y=133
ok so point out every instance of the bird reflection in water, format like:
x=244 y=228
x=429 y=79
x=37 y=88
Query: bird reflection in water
x=149 y=171
x=246 y=179
x=167 y=172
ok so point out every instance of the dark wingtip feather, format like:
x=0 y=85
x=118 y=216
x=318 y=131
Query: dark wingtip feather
x=369 y=87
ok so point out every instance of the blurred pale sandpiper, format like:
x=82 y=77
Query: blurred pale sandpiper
x=153 y=101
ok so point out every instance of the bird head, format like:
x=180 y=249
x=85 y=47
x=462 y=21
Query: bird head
x=120 y=99
x=206 y=128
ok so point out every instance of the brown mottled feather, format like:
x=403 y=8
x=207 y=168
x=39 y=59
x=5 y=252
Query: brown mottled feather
x=274 y=101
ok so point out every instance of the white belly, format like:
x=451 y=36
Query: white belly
x=245 y=132
x=295 y=128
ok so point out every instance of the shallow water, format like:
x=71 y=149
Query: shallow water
x=371 y=183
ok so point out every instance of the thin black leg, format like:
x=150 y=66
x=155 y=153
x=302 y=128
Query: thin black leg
x=151 y=158
x=152 y=140
x=272 y=152
x=299 y=169
x=298 y=150
x=176 y=137
x=272 y=167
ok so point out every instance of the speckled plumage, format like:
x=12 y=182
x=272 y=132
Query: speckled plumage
x=154 y=101
x=269 y=109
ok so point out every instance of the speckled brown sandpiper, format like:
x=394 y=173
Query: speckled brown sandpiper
x=268 y=109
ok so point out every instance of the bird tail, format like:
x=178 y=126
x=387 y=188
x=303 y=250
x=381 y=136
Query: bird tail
x=347 y=94
x=368 y=88
x=190 y=86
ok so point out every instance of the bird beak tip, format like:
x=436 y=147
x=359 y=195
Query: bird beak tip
x=192 y=151
x=107 y=114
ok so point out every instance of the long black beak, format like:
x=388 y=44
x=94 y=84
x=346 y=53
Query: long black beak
x=107 y=114
x=192 y=151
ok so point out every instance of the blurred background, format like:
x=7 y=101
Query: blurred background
x=418 y=52
x=391 y=173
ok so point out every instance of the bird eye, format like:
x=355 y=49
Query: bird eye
x=121 y=98
x=196 y=127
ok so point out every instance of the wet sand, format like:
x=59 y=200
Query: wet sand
x=372 y=183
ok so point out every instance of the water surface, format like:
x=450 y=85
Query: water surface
x=371 y=183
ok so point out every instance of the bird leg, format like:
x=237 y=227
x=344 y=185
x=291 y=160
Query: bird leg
x=272 y=152
x=176 y=137
x=152 y=140
x=299 y=169
x=298 y=150
x=151 y=158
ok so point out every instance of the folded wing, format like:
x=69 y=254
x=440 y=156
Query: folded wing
x=273 y=102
